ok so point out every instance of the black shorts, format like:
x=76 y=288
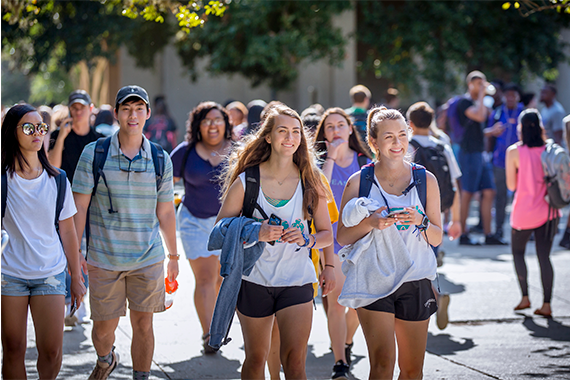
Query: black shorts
x=258 y=301
x=413 y=301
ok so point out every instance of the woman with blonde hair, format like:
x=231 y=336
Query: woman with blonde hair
x=401 y=214
x=280 y=284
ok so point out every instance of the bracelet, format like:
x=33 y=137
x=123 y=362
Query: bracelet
x=330 y=158
x=306 y=241
x=314 y=241
x=173 y=257
x=329 y=265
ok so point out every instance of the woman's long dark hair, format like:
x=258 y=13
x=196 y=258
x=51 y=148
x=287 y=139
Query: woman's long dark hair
x=197 y=115
x=354 y=140
x=11 y=147
x=531 y=128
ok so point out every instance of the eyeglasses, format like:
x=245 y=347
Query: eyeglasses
x=208 y=122
x=29 y=128
x=130 y=169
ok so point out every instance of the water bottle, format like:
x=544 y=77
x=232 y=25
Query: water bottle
x=171 y=288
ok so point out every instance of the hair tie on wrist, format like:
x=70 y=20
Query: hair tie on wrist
x=329 y=265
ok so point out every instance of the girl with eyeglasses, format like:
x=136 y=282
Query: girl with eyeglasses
x=198 y=162
x=280 y=284
x=34 y=261
x=393 y=289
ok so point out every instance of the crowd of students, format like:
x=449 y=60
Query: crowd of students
x=264 y=188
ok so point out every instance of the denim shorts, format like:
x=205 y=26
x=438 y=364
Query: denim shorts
x=19 y=287
x=194 y=233
x=477 y=174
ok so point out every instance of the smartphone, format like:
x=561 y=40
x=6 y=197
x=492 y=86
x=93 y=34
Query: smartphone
x=274 y=220
x=394 y=213
x=73 y=309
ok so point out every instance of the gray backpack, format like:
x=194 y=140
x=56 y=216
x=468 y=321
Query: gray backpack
x=556 y=166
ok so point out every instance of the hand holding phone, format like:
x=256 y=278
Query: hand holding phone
x=397 y=212
x=274 y=220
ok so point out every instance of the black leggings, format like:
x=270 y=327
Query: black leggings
x=543 y=239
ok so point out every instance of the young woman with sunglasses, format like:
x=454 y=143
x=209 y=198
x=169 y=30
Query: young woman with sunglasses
x=34 y=261
x=208 y=141
x=280 y=283
x=405 y=311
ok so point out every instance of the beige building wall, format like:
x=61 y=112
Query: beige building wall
x=317 y=81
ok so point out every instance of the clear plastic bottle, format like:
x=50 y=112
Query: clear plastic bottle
x=171 y=287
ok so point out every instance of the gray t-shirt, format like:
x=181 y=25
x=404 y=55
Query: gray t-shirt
x=552 y=118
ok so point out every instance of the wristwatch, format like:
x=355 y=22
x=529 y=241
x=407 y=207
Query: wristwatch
x=424 y=224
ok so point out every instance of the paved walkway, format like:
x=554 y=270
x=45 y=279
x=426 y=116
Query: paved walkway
x=484 y=340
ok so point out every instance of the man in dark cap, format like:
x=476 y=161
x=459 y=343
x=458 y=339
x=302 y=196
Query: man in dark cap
x=126 y=252
x=75 y=132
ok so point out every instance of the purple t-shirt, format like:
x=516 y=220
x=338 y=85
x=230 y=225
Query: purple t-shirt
x=201 y=190
x=339 y=179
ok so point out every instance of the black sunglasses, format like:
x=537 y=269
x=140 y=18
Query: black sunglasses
x=29 y=128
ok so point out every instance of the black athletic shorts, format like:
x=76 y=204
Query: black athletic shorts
x=413 y=301
x=258 y=301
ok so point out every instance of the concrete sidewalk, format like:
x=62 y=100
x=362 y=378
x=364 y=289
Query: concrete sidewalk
x=485 y=339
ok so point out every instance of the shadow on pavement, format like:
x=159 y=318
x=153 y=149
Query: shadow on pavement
x=442 y=344
x=555 y=330
x=447 y=286
x=202 y=367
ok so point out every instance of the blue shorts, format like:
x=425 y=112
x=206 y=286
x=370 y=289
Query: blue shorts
x=19 y=287
x=477 y=174
x=194 y=233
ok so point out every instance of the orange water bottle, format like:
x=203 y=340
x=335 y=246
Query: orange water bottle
x=171 y=288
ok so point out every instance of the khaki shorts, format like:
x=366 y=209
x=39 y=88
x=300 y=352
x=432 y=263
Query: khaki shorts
x=110 y=290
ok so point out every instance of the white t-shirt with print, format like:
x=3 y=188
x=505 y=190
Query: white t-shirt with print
x=283 y=264
x=34 y=249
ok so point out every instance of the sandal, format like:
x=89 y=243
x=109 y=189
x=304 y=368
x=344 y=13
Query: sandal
x=207 y=349
x=541 y=313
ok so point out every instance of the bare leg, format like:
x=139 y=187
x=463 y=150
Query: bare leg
x=352 y=324
x=14 y=340
x=257 y=340
x=336 y=315
x=274 y=360
x=208 y=280
x=487 y=198
x=412 y=340
x=103 y=335
x=48 y=313
x=378 y=329
x=295 y=327
x=142 y=346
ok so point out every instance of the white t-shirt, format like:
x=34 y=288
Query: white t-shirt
x=34 y=250
x=283 y=264
x=430 y=141
x=425 y=265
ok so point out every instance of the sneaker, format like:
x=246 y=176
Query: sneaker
x=565 y=242
x=466 y=240
x=494 y=240
x=71 y=321
x=441 y=317
x=348 y=352
x=102 y=370
x=340 y=371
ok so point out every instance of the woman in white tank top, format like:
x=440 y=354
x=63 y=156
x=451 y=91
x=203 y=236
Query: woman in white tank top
x=405 y=312
x=280 y=284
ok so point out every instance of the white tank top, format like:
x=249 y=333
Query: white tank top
x=283 y=264
x=425 y=265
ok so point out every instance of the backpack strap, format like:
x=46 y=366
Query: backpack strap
x=252 y=186
x=99 y=158
x=419 y=174
x=60 y=181
x=184 y=159
x=366 y=180
x=158 y=161
x=362 y=160
x=4 y=192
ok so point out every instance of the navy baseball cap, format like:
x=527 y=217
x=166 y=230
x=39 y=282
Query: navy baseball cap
x=131 y=91
x=79 y=96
